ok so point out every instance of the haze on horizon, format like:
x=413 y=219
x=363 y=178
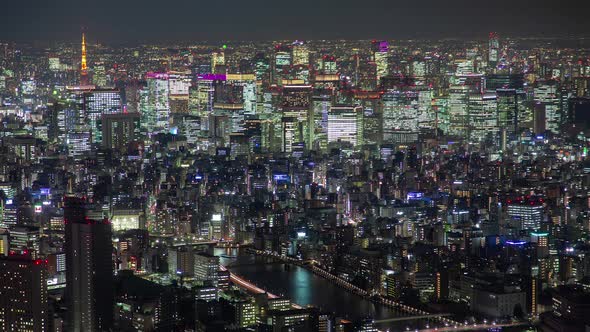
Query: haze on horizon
x=175 y=20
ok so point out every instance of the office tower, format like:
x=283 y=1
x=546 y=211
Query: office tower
x=282 y=61
x=245 y=314
x=9 y=217
x=190 y=127
x=579 y=111
x=526 y=214
x=119 y=130
x=345 y=124
x=539 y=123
x=426 y=113
x=154 y=104
x=483 y=117
x=511 y=110
x=179 y=83
x=83 y=66
x=300 y=54
x=181 y=262
x=53 y=63
x=202 y=97
x=246 y=84
x=99 y=77
x=504 y=82
x=400 y=116
x=320 y=105
x=328 y=65
x=493 y=49
x=206 y=268
x=373 y=126
x=143 y=305
x=89 y=274
x=458 y=110
x=218 y=62
x=546 y=95
x=262 y=68
x=78 y=142
x=98 y=103
x=24 y=240
x=23 y=290
x=66 y=114
x=297 y=119
x=381 y=57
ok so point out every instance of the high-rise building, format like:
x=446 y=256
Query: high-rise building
x=400 y=114
x=458 y=110
x=218 y=62
x=99 y=77
x=381 y=57
x=118 y=130
x=245 y=314
x=206 y=267
x=526 y=214
x=546 y=95
x=154 y=104
x=511 y=110
x=79 y=142
x=98 y=103
x=89 y=268
x=300 y=54
x=181 y=262
x=483 y=117
x=320 y=106
x=297 y=118
x=493 y=49
x=23 y=295
x=345 y=124
x=24 y=240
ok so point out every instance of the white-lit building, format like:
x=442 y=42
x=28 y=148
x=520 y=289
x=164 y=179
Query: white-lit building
x=345 y=124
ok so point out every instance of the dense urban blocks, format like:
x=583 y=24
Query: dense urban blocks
x=327 y=185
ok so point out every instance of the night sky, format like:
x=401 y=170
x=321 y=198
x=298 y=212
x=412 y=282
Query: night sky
x=194 y=20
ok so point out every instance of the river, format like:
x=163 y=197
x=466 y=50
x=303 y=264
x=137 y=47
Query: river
x=305 y=288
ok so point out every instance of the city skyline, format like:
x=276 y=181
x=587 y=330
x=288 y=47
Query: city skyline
x=301 y=184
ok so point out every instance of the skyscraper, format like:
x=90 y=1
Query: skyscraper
x=345 y=123
x=154 y=104
x=494 y=49
x=400 y=115
x=380 y=54
x=98 y=102
x=23 y=294
x=483 y=117
x=89 y=274
x=118 y=130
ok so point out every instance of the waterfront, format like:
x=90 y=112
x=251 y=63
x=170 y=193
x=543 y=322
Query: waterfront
x=303 y=287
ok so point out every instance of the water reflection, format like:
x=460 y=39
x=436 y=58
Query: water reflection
x=302 y=286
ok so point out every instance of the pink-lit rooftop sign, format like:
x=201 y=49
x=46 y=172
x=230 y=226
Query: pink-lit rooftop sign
x=212 y=77
x=159 y=76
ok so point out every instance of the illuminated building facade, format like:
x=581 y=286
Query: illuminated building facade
x=527 y=214
x=155 y=104
x=345 y=124
x=98 y=103
x=400 y=114
x=24 y=303
x=483 y=117
x=493 y=49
